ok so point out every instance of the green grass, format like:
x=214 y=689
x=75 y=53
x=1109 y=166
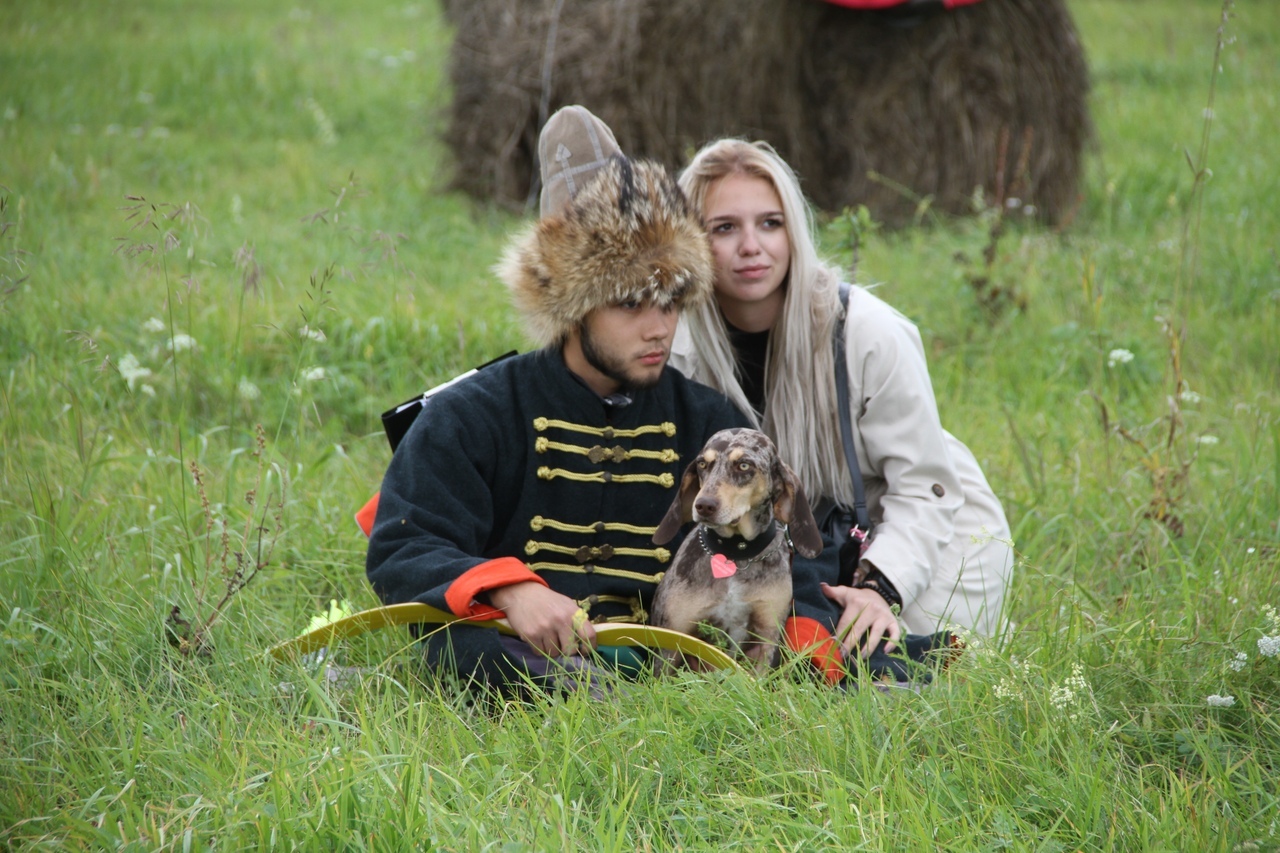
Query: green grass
x=246 y=120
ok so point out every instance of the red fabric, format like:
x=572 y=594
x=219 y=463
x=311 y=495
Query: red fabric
x=888 y=4
x=811 y=637
x=503 y=571
x=366 y=514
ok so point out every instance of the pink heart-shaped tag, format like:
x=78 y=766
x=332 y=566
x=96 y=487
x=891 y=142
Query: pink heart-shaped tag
x=722 y=566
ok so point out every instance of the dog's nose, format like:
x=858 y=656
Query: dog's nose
x=705 y=506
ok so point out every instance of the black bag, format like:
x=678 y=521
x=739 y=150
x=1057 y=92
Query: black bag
x=841 y=526
x=396 y=422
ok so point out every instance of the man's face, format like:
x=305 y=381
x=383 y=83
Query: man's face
x=622 y=347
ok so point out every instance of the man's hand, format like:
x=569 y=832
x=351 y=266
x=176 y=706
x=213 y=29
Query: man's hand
x=868 y=614
x=544 y=619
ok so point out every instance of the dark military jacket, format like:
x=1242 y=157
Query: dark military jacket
x=524 y=464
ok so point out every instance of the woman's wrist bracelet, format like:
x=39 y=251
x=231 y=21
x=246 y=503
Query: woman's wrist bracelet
x=881 y=586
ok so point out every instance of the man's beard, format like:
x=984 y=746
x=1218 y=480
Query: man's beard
x=612 y=366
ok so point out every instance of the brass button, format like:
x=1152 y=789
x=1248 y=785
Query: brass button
x=608 y=432
x=599 y=526
x=608 y=478
x=583 y=554
x=605 y=551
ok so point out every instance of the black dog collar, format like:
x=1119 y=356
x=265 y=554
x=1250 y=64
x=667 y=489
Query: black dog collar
x=737 y=548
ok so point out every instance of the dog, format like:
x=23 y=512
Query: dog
x=733 y=572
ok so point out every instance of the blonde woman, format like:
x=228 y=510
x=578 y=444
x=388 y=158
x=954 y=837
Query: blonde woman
x=941 y=549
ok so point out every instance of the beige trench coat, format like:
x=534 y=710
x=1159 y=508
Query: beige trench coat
x=941 y=534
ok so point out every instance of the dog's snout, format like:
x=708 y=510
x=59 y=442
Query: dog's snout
x=705 y=506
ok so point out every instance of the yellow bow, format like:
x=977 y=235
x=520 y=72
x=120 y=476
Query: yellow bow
x=413 y=613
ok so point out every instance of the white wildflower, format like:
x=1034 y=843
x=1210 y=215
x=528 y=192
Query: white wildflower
x=1007 y=689
x=148 y=390
x=1189 y=396
x=1269 y=647
x=313 y=334
x=131 y=370
x=1119 y=356
x=313 y=374
x=247 y=390
x=155 y=324
x=1207 y=440
x=1216 y=701
x=182 y=342
x=1068 y=697
x=1238 y=662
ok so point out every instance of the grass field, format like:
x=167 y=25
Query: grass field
x=223 y=215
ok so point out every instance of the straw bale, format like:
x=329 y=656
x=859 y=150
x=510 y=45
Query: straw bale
x=869 y=109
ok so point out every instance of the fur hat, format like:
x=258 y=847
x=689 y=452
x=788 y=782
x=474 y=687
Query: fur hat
x=626 y=234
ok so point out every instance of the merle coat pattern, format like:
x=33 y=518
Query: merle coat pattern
x=735 y=488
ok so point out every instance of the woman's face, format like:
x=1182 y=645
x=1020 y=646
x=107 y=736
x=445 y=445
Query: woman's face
x=743 y=216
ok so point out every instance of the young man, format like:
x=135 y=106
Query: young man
x=532 y=489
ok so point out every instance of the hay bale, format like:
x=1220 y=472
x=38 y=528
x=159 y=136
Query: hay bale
x=930 y=108
x=959 y=100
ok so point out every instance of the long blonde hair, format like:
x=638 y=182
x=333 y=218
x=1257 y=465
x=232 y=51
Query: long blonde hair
x=799 y=415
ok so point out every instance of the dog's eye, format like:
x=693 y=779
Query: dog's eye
x=744 y=466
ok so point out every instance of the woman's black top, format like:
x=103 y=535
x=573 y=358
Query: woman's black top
x=749 y=349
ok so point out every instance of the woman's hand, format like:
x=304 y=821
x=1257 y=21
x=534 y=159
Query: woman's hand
x=546 y=620
x=866 y=617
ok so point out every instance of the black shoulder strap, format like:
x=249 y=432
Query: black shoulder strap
x=860 y=514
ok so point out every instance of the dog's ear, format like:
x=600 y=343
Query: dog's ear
x=681 y=509
x=791 y=507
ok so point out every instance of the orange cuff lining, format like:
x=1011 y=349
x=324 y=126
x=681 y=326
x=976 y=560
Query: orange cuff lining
x=810 y=637
x=367 y=513
x=504 y=571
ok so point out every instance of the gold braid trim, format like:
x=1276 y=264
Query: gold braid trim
x=638 y=613
x=593 y=552
x=665 y=480
x=596 y=570
x=604 y=454
x=538 y=522
x=665 y=428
